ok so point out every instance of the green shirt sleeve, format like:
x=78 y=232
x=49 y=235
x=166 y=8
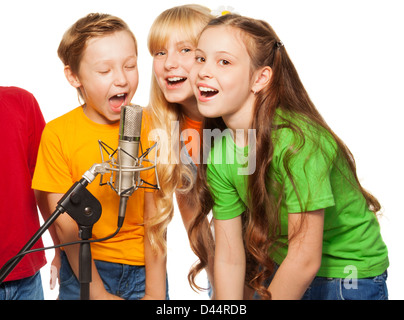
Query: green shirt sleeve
x=227 y=201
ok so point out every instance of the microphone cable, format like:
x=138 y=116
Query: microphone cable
x=60 y=245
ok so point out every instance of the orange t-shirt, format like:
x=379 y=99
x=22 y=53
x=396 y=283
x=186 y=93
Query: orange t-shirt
x=69 y=147
x=191 y=137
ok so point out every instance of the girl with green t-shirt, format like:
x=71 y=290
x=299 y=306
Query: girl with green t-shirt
x=293 y=221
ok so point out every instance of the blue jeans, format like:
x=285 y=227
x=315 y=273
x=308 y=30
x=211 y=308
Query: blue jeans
x=24 y=289
x=125 y=281
x=321 y=288
x=373 y=288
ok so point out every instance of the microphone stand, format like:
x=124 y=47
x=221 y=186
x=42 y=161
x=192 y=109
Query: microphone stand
x=85 y=209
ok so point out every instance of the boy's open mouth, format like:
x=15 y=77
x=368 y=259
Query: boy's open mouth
x=118 y=100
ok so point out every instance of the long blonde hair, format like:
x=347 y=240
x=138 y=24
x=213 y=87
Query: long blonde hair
x=173 y=175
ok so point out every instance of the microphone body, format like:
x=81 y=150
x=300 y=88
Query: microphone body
x=128 y=151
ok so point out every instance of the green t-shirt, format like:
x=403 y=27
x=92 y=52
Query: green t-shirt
x=352 y=243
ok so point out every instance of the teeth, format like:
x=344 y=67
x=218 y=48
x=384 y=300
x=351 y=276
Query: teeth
x=205 y=89
x=175 y=79
x=120 y=95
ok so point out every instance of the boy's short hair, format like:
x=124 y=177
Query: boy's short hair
x=93 y=25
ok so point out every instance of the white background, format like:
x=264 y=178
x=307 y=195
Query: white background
x=349 y=54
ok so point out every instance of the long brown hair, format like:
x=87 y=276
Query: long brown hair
x=286 y=92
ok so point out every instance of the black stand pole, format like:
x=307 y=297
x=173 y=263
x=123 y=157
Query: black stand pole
x=85 y=263
x=85 y=209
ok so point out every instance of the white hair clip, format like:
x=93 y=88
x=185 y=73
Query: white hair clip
x=222 y=11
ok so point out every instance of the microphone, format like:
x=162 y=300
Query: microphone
x=126 y=178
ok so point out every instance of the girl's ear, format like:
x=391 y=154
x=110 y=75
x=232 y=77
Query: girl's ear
x=262 y=79
x=71 y=77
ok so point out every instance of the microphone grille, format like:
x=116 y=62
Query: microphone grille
x=131 y=121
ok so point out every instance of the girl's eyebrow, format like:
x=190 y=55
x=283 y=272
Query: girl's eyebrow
x=217 y=52
x=225 y=52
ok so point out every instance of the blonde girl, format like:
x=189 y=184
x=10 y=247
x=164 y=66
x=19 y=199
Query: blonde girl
x=172 y=42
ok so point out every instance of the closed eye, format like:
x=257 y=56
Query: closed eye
x=159 y=53
x=186 y=50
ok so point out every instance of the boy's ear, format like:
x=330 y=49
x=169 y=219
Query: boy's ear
x=262 y=79
x=71 y=77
